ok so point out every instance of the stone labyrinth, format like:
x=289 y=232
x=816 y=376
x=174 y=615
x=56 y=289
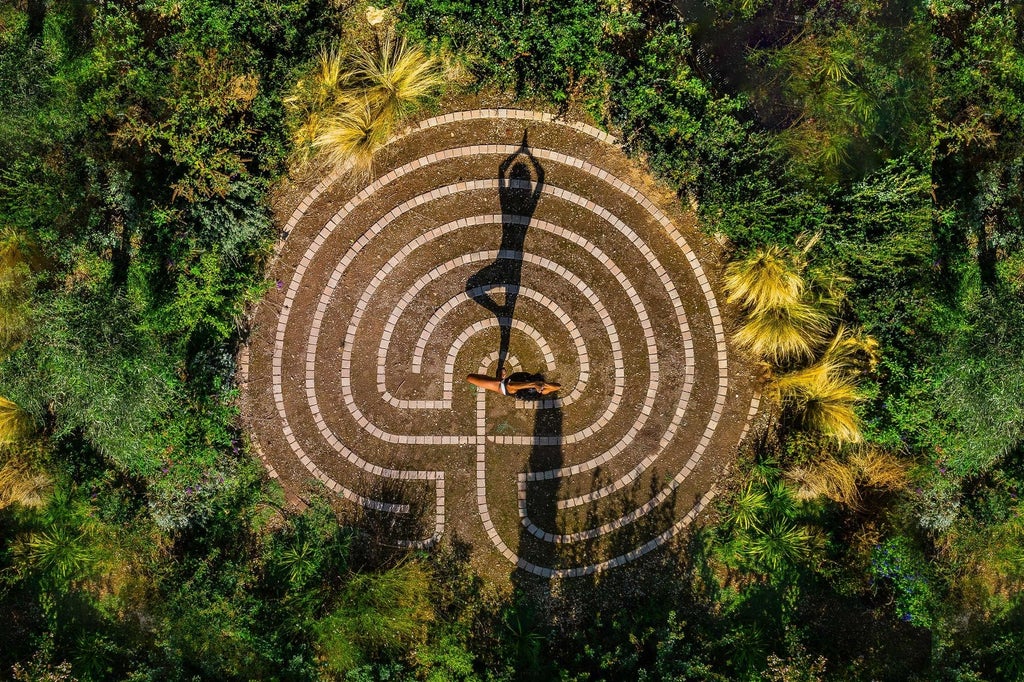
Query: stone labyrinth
x=505 y=237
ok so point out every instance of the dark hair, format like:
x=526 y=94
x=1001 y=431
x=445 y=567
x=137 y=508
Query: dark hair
x=529 y=393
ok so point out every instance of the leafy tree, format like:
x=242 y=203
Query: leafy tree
x=88 y=368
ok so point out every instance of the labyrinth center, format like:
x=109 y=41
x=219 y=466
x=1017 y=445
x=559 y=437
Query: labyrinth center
x=504 y=237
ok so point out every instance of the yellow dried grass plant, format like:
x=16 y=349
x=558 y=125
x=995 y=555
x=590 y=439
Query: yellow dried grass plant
x=396 y=78
x=347 y=109
x=15 y=423
x=22 y=484
x=784 y=335
x=880 y=469
x=831 y=478
x=353 y=135
x=823 y=397
x=766 y=280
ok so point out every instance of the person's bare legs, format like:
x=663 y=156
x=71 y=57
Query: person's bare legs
x=489 y=383
x=539 y=386
x=485 y=382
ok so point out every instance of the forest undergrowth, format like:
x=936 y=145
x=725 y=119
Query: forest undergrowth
x=864 y=163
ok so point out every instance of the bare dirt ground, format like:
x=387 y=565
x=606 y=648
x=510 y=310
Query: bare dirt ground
x=391 y=287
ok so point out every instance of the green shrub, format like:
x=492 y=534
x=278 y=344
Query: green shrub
x=902 y=567
x=380 y=614
x=559 y=50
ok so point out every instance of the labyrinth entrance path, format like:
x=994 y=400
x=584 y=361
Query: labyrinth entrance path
x=500 y=236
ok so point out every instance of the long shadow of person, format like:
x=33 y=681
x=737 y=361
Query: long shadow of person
x=520 y=182
x=526 y=620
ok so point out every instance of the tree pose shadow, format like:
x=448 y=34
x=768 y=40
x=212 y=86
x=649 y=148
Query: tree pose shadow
x=519 y=194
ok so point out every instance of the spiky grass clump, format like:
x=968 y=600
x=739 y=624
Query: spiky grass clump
x=842 y=480
x=22 y=484
x=766 y=280
x=353 y=135
x=398 y=78
x=379 y=612
x=879 y=469
x=784 y=335
x=15 y=423
x=823 y=398
x=831 y=478
x=347 y=109
x=786 y=322
x=851 y=351
x=314 y=98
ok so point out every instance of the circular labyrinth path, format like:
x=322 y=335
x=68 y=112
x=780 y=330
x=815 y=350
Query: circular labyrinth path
x=507 y=237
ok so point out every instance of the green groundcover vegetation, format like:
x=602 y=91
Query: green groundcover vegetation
x=139 y=539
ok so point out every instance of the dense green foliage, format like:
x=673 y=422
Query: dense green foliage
x=138 y=141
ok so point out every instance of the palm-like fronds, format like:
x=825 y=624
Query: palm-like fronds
x=823 y=397
x=782 y=335
x=748 y=507
x=765 y=471
x=397 y=78
x=352 y=135
x=299 y=562
x=810 y=141
x=61 y=553
x=781 y=542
